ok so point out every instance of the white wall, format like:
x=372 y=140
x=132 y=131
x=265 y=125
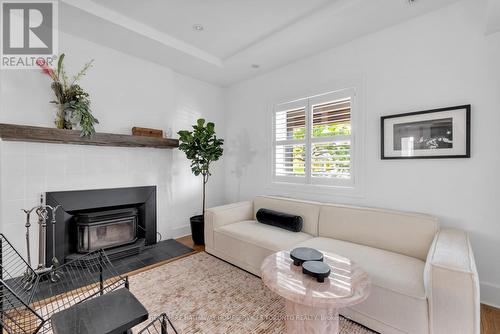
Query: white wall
x=125 y=92
x=438 y=60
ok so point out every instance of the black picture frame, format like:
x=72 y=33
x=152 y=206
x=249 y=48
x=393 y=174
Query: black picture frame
x=467 y=154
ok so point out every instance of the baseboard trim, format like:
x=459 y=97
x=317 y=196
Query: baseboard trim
x=490 y=294
x=180 y=231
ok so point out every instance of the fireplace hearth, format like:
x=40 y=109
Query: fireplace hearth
x=122 y=221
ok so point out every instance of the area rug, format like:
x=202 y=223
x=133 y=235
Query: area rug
x=203 y=294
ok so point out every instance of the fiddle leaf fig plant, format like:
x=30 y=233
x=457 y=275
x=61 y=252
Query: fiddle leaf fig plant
x=202 y=147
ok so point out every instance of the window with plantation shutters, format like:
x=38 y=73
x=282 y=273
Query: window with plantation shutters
x=313 y=140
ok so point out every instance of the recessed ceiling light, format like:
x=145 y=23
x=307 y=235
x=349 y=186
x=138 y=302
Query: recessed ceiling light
x=255 y=65
x=198 y=27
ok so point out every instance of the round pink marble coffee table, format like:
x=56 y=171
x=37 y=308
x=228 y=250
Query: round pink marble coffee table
x=312 y=307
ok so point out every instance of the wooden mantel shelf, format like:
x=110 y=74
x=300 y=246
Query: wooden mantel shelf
x=36 y=134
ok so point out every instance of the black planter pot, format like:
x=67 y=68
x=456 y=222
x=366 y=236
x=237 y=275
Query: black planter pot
x=198 y=230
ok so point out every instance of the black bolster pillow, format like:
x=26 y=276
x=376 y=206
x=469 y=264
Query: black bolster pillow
x=279 y=219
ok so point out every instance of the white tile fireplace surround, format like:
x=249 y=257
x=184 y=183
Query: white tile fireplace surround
x=30 y=169
x=126 y=91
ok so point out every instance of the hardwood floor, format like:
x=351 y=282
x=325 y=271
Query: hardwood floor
x=490 y=316
x=490 y=320
x=189 y=242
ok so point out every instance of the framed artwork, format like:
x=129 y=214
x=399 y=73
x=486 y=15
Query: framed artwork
x=429 y=134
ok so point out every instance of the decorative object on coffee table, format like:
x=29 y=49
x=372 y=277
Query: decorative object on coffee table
x=72 y=101
x=312 y=307
x=300 y=255
x=316 y=269
x=202 y=147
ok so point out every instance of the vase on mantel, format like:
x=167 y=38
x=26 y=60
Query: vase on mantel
x=64 y=118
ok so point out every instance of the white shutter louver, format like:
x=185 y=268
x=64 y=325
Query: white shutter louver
x=332 y=118
x=290 y=149
x=290 y=160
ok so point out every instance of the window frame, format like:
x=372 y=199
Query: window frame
x=308 y=182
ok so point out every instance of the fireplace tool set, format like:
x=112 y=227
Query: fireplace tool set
x=40 y=301
x=42 y=211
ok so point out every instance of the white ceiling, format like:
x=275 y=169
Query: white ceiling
x=237 y=33
x=229 y=25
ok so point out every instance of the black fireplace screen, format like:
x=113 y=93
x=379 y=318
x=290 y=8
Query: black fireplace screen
x=106 y=229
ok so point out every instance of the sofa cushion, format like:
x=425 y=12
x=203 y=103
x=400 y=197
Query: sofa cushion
x=389 y=312
x=389 y=270
x=251 y=241
x=401 y=232
x=309 y=211
x=397 y=299
x=282 y=220
x=266 y=236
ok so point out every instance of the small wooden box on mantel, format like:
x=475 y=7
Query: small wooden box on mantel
x=147 y=132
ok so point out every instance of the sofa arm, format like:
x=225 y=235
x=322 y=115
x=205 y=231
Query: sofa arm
x=223 y=215
x=452 y=284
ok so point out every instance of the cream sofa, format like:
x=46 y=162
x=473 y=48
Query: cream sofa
x=424 y=279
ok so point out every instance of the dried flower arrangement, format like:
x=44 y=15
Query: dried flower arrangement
x=72 y=101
